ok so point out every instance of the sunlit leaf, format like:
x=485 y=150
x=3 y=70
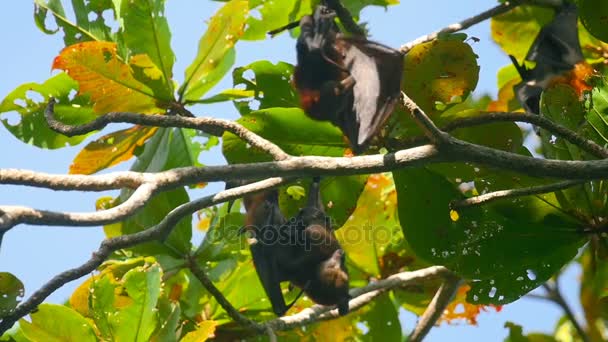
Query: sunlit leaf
x=273 y=14
x=12 y=291
x=111 y=149
x=56 y=323
x=145 y=31
x=203 y=332
x=515 y=30
x=216 y=50
x=270 y=85
x=440 y=71
x=107 y=79
x=30 y=101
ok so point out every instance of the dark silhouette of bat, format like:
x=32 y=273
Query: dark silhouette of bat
x=558 y=58
x=303 y=251
x=350 y=81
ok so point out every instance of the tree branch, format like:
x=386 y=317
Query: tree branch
x=224 y=303
x=504 y=194
x=157 y=232
x=361 y=296
x=555 y=295
x=208 y=125
x=433 y=312
x=14 y=215
x=432 y=132
x=466 y=23
x=463 y=25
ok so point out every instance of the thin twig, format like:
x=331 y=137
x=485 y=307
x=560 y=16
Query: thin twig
x=208 y=125
x=555 y=295
x=511 y=193
x=433 y=312
x=222 y=301
x=159 y=231
x=432 y=132
x=345 y=17
x=361 y=296
x=502 y=8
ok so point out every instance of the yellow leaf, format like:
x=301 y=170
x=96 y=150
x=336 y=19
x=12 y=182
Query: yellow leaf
x=109 y=81
x=460 y=309
x=110 y=150
x=79 y=300
x=205 y=330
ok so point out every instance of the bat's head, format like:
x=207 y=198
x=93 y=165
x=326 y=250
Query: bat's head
x=333 y=276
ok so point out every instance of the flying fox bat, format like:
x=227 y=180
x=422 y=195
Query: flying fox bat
x=350 y=81
x=303 y=251
x=558 y=58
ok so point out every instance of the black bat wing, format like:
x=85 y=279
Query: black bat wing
x=377 y=71
x=557 y=45
x=555 y=50
x=268 y=271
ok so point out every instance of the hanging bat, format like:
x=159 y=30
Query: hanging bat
x=319 y=269
x=303 y=251
x=350 y=81
x=558 y=58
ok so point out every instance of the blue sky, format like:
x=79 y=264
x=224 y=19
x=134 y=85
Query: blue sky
x=35 y=254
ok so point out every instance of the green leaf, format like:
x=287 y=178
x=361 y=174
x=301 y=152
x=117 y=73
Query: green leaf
x=561 y=104
x=273 y=14
x=165 y=150
x=169 y=314
x=57 y=323
x=138 y=320
x=291 y=129
x=30 y=100
x=270 y=84
x=516 y=334
x=89 y=25
x=305 y=137
x=515 y=30
x=145 y=30
x=503 y=257
x=593 y=16
x=382 y=320
x=216 y=53
x=12 y=291
x=440 y=71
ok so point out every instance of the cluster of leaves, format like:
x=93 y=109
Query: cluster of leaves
x=388 y=223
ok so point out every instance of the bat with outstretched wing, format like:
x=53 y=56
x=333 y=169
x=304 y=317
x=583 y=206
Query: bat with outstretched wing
x=557 y=57
x=350 y=81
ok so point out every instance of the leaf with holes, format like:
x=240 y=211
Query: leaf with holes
x=270 y=85
x=12 y=291
x=90 y=24
x=110 y=150
x=440 y=73
x=503 y=258
x=216 y=50
x=29 y=100
x=107 y=79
